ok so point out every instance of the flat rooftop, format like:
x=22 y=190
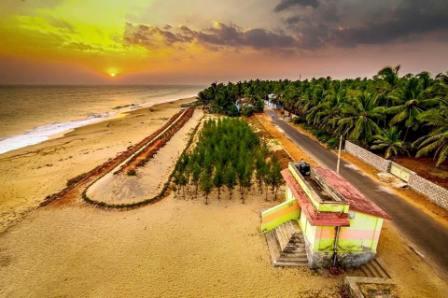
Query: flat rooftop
x=323 y=193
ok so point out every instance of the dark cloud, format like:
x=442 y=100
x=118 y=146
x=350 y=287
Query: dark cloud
x=351 y=23
x=221 y=35
x=340 y=23
x=152 y=36
x=285 y=4
x=410 y=20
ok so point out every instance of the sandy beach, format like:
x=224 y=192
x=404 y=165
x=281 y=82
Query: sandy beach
x=174 y=248
x=29 y=174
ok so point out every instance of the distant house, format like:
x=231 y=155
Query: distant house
x=336 y=221
x=240 y=103
x=271 y=102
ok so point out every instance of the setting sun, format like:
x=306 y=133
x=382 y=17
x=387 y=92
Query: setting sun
x=112 y=72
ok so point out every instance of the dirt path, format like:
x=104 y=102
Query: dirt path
x=429 y=235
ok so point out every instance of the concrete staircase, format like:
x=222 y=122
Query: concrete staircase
x=286 y=245
x=374 y=268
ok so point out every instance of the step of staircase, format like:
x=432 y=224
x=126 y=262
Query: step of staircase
x=286 y=246
x=374 y=268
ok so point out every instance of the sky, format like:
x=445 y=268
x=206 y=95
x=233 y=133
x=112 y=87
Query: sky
x=201 y=41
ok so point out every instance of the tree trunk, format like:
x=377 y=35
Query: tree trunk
x=230 y=193
x=206 y=199
x=219 y=193
x=196 y=190
x=406 y=134
x=266 y=192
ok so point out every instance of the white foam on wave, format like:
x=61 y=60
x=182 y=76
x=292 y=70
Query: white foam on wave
x=45 y=132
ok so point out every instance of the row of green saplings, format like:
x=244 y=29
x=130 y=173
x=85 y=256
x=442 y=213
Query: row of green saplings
x=228 y=155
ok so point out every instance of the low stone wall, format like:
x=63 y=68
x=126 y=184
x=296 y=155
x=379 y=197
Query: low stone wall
x=400 y=171
x=372 y=159
x=434 y=192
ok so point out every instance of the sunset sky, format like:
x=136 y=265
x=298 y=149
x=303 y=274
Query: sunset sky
x=199 y=41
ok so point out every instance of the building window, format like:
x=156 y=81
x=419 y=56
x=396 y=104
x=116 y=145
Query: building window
x=351 y=215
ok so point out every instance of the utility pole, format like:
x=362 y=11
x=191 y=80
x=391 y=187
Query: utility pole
x=339 y=155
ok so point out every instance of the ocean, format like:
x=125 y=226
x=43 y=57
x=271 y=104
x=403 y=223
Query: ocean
x=33 y=114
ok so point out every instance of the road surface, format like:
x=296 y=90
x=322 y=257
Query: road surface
x=430 y=237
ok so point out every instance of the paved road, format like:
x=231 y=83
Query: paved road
x=430 y=237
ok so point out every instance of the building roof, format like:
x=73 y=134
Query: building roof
x=349 y=193
x=315 y=217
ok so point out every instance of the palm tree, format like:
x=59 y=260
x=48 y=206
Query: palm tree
x=442 y=77
x=437 y=140
x=327 y=113
x=414 y=102
x=390 y=75
x=358 y=109
x=390 y=142
x=360 y=117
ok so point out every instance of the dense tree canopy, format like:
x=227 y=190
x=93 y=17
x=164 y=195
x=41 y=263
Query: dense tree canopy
x=228 y=154
x=223 y=99
x=361 y=110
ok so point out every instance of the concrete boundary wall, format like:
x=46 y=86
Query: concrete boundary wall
x=372 y=159
x=435 y=193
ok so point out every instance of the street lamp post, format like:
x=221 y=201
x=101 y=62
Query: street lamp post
x=339 y=155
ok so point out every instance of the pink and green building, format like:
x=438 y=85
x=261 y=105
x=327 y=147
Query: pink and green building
x=334 y=217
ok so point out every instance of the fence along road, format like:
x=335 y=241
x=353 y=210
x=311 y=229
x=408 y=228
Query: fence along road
x=429 y=236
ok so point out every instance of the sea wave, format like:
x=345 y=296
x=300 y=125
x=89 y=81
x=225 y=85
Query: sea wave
x=80 y=100
x=45 y=132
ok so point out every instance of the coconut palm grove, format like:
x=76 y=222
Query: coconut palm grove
x=389 y=113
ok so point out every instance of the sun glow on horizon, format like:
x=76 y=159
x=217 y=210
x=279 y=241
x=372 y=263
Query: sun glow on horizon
x=112 y=72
